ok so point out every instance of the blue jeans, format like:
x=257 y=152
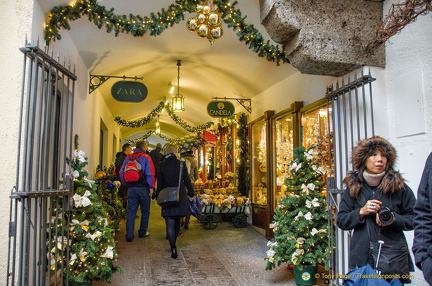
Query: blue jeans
x=137 y=196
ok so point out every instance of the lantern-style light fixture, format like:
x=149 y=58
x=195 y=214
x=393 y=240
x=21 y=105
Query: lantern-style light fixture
x=178 y=99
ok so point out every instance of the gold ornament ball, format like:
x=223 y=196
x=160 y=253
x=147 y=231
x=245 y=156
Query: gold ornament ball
x=203 y=31
x=216 y=32
x=213 y=19
x=101 y=174
x=117 y=184
x=201 y=18
x=199 y=8
x=192 y=24
x=206 y=9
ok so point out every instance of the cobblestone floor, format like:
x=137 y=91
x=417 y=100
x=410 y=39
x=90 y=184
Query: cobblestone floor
x=223 y=256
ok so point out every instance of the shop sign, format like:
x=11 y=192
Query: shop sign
x=210 y=138
x=129 y=91
x=220 y=109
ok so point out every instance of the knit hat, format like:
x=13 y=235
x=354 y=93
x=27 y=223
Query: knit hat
x=366 y=147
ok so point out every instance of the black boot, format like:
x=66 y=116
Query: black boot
x=173 y=253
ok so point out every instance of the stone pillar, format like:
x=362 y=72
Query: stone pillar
x=324 y=37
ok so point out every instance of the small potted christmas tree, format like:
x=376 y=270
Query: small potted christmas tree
x=300 y=222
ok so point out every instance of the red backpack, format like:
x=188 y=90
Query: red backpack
x=133 y=170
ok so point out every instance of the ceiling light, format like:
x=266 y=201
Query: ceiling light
x=178 y=100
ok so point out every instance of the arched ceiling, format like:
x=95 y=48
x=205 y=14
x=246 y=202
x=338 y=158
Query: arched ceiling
x=226 y=69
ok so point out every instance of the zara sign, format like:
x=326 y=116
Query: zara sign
x=220 y=109
x=129 y=91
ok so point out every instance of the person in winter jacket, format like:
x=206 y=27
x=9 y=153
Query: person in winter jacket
x=422 y=246
x=140 y=192
x=120 y=157
x=373 y=184
x=168 y=176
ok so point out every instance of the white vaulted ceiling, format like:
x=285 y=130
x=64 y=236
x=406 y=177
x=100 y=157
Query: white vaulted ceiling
x=226 y=69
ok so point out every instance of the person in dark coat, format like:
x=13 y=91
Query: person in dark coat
x=422 y=246
x=372 y=185
x=168 y=176
x=156 y=156
x=120 y=157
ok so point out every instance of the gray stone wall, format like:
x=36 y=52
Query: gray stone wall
x=326 y=37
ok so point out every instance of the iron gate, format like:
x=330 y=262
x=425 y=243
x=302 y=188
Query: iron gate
x=41 y=195
x=352 y=119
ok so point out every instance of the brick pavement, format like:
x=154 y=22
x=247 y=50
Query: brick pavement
x=223 y=256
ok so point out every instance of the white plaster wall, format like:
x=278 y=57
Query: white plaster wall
x=17 y=15
x=409 y=65
x=298 y=87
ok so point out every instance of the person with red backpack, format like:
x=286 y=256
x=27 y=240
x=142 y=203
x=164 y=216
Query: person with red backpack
x=138 y=174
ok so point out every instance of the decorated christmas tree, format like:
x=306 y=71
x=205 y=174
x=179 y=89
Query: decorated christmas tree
x=107 y=189
x=92 y=244
x=300 y=222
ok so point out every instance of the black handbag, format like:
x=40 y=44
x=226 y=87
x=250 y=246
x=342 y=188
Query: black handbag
x=390 y=256
x=170 y=195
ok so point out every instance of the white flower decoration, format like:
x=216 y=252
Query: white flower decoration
x=82 y=200
x=109 y=253
x=273 y=225
x=308 y=216
x=270 y=253
x=300 y=214
x=310 y=153
x=75 y=174
x=80 y=155
x=301 y=240
x=295 y=166
x=318 y=169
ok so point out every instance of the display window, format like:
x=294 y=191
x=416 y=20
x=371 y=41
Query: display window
x=259 y=162
x=316 y=129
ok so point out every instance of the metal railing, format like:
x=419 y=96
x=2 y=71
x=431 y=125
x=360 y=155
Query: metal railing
x=38 y=227
x=352 y=119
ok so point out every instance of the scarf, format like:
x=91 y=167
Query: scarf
x=373 y=180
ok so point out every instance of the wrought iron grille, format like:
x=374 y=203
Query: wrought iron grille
x=41 y=195
x=352 y=119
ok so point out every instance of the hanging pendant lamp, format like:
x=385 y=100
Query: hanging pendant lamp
x=178 y=99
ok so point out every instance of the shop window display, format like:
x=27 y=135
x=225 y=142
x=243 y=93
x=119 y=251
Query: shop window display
x=317 y=130
x=259 y=164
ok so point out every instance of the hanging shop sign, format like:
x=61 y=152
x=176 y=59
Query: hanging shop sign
x=220 y=109
x=129 y=91
x=210 y=138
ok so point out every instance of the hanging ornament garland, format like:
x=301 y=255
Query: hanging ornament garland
x=147 y=135
x=183 y=123
x=155 y=24
x=145 y=120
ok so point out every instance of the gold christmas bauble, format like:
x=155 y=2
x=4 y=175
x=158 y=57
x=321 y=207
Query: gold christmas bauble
x=202 y=31
x=216 y=33
x=192 y=24
x=201 y=18
x=206 y=9
x=101 y=174
x=213 y=19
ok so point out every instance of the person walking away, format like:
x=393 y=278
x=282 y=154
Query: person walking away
x=192 y=167
x=139 y=192
x=372 y=186
x=120 y=157
x=156 y=156
x=168 y=176
x=422 y=245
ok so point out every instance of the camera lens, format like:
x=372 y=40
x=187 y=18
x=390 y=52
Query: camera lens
x=385 y=215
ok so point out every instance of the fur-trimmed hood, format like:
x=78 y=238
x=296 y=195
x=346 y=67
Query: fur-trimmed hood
x=392 y=180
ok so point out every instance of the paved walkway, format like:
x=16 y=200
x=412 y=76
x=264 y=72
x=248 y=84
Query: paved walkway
x=223 y=256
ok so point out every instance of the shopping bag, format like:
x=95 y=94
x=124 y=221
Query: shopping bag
x=195 y=207
x=168 y=196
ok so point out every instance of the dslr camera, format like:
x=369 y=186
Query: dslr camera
x=385 y=215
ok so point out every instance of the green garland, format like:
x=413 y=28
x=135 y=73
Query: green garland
x=143 y=121
x=138 y=25
x=183 y=124
x=147 y=135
